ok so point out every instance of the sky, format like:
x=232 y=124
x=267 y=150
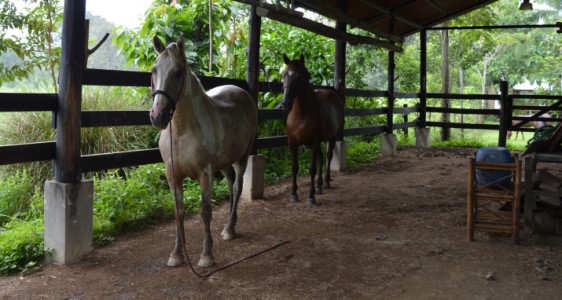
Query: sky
x=119 y=12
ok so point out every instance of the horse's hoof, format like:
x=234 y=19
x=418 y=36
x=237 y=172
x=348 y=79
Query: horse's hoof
x=228 y=234
x=294 y=199
x=174 y=261
x=311 y=201
x=206 y=261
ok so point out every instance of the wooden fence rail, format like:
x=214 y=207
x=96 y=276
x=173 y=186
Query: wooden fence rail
x=41 y=151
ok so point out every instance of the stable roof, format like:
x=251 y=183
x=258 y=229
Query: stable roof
x=406 y=16
x=392 y=20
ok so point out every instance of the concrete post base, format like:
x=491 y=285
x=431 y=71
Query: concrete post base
x=422 y=137
x=339 y=159
x=254 y=178
x=68 y=220
x=388 y=145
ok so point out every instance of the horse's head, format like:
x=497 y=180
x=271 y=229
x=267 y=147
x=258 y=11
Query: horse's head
x=167 y=81
x=294 y=77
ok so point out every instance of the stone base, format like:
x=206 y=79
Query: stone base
x=388 y=144
x=422 y=137
x=254 y=178
x=68 y=220
x=339 y=159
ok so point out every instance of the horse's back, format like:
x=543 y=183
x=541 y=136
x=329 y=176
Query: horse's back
x=331 y=108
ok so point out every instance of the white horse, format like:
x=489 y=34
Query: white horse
x=206 y=132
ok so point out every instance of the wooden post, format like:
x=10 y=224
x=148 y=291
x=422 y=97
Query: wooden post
x=470 y=201
x=67 y=163
x=405 y=116
x=390 y=88
x=423 y=78
x=504 y=114
x=253 y=67
x=340 y=60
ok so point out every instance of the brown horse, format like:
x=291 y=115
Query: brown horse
x=315 y=116
x=202 y=133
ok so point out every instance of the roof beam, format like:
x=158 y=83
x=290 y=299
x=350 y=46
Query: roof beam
x=322 y=29
x=331 y=12
x=439 y=7
x=389 y=12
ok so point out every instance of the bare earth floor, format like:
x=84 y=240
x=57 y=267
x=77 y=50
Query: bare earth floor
x=391 y=230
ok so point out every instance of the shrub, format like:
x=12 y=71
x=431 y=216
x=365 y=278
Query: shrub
x=21 y=245
x=15 y=194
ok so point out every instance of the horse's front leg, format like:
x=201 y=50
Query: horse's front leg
x=176 y=257
x=295 y=168
x=312 y=170
x=206 y=183
x=329 y=155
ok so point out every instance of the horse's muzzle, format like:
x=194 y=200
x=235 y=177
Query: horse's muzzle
x=160 y=120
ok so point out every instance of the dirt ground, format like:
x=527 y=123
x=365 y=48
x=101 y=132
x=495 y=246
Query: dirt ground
x=393 y=230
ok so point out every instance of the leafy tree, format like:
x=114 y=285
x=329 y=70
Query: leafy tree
x=31 y=33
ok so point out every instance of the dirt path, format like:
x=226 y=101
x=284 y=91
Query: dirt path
x=392 y=230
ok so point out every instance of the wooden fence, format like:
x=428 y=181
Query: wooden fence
x=41 y=151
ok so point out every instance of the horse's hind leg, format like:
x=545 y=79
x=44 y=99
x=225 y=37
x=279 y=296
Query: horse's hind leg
x=329 y=155
x=295 y=169
x=235 y=178
x=206 y=183
x=320 y=162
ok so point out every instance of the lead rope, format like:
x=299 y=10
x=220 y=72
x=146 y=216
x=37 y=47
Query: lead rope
x=181 y=233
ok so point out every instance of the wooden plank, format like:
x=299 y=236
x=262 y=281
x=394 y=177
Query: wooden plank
x=13 y=154
x=412 y=124
x=401 y=95
x=106 y=161
x=364 y=130
x=465 y=126
x=322 y=29
x=361 y=112
x=142 y=79
x=365 y=93
x=271 y=114
x=272 y=142
x=466 y=111
x=463 y=96
x=116 y=78
x=115 y=118
x=406 y=110
x=12 y=102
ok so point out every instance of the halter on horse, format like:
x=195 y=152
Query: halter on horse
x=212 y=132
x=315 y=116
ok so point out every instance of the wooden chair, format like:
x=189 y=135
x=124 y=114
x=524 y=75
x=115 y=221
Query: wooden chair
x=485 y=200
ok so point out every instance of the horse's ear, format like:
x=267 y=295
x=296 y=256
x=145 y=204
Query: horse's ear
x=158 y=46
x=286 y=59
x=181 y=44
x=302 y=59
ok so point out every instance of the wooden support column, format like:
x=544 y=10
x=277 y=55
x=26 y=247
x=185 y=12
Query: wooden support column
x=339 y=160
x=254 y=177
x=504 y=114
x=423 y=78
x=68 y=213
x=390 y=86
x=67 y=163
x=253 y=68
x=340 y=60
